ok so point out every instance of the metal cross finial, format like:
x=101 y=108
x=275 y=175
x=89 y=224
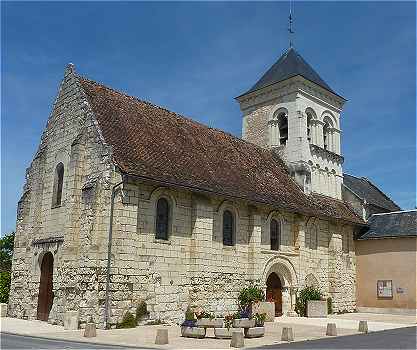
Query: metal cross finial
x=290 y=31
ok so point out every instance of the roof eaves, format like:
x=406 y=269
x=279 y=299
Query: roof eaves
x=250 y=91
x=221 y=194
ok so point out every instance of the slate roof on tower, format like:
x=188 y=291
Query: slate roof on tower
x=289 y=65
x=366 y=190
x=159 y=145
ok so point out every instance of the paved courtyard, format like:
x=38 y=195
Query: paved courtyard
x=144 y=336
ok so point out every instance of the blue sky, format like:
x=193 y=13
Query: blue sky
x=194 y=58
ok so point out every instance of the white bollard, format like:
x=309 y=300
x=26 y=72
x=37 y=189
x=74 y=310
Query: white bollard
x=90 y=330
x=363 y=326
x=237 y=340
x=287 y=334
x=331 y=329
x=161 y=336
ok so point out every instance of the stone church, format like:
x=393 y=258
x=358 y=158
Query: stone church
x=126 y=201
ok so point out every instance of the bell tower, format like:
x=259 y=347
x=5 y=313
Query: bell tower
x=293 y=112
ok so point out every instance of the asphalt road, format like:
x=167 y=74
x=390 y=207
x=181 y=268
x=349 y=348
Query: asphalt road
x=9 y=341
x=400 y=338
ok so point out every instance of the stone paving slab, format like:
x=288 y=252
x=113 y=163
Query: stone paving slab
x=144 y=336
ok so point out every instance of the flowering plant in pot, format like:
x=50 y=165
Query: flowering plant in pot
x=228 y=321
x=259 y=319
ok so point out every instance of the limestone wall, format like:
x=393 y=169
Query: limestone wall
x=69 y=231
x=194 y=267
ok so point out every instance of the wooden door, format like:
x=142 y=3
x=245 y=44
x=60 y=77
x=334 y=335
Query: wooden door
x=274 y=292
x=45 y=297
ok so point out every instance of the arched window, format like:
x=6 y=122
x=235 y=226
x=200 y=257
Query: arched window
x=228 y=227
x=309 y=118
x=58 y=185
x=326 y=133
x=326 y=136
x=313 y=242
x=275 y=232
x=283 y=129
x=162 y=219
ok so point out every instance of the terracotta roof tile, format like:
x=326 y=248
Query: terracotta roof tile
x=152 y=142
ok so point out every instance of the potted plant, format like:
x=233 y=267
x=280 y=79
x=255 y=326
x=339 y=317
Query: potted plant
x=189 y=327
x=207 y=320
x=259 y=319
x=242 y=319
x=248 y=296
x=310 y=295
x=226 y=331
x=258 y=330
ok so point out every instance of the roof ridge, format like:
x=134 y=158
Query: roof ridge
x=384 y=194
x=395 y=212
x=188 y=119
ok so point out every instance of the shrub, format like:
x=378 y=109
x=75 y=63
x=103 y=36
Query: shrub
x=155 y=322
x=141 y=311
x=205 y=314
x=128 y=321
x=304 y=295
x=259 y=319
x=189 y=314
x=250 y=295
x=329 y=306
x=5 y=277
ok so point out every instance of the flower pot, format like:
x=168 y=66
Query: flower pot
x=224 y=333
x=193 y=332
x=254 y=332
x=210 y=323
x=243 y=323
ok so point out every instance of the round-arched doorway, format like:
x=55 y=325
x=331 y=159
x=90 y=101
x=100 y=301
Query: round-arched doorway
x=274 y=292
x=45 y=297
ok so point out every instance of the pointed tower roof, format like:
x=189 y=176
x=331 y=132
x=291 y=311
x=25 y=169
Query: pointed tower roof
x=289 y=65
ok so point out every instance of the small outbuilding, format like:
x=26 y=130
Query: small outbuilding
x=386 y=264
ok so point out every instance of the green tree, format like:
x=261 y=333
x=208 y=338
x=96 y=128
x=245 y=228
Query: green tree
x=6 y=251
x=6 y=254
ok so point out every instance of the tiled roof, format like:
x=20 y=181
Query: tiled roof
x=390 y=225
x=289 y=65
x=365 y=189
x=154 y=143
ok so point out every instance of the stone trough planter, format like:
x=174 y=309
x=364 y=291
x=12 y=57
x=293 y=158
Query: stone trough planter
x=224 y=333
x=316 y=308
x=243 y=323
x=210 y=323
x=193 y=332
x=254 y=332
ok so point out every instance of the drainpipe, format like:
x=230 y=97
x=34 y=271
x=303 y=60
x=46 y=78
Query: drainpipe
x=107 y=305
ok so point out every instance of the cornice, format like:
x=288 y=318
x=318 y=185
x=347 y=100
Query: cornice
x=324 y=153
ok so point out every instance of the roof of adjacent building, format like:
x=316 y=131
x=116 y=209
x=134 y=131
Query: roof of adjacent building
x=391 y=225
x=366 y=190
x=289 y=65
x=156 y=144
